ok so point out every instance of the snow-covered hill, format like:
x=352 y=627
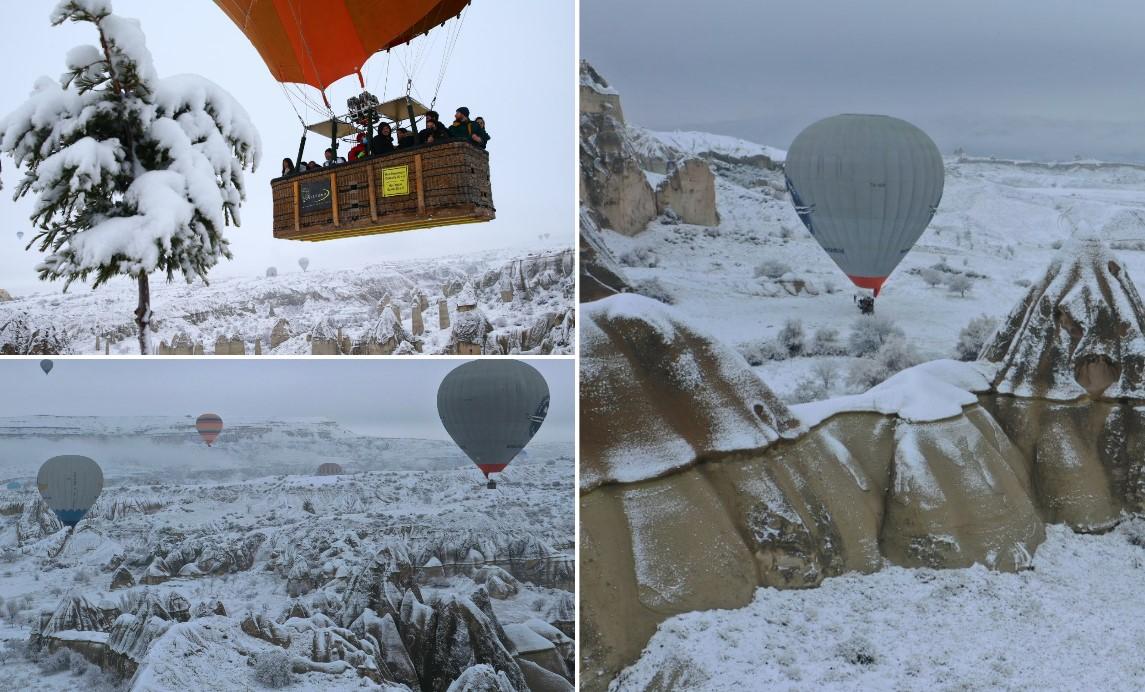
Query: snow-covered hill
x=385 y=574
x=527 y=302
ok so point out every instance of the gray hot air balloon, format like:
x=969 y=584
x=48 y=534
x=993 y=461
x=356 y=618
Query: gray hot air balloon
x=20 y=235
x=46 y=365
x=491 y=409
x=866 y=186
x=304 y=263
x=70 y=485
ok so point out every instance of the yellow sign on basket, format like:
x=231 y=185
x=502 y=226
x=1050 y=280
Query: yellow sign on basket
x=395 y=181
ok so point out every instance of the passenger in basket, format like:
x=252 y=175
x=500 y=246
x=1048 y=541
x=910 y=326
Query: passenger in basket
x=464 y=128
x=332 y=160
x=288 y=167
x=406 y=139
x=312 y=166
x=484 y=133
x=358 y=151
x=383 y=142
x=434 y=130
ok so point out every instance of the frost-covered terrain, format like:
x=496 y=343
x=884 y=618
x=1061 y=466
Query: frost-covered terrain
x=209 y=568
x=999 y=225
x=526 y=303
x=1073 y=621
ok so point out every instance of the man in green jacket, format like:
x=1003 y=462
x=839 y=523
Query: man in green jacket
x=464 y=128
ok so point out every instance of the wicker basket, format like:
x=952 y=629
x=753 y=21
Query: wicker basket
x=422 y=187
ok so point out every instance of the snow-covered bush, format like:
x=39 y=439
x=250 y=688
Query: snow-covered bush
x=931 y=276
x=826 y=343
x=893 y=356
x=826 y=372
x=960 y=284
x=273 y=668
x=772 y=269
x=654 y=290
x=973 y=337
x=640 y=256
x=807 y=388
x=869 y=333
x=760 y=351
x=791 y=337
x=131 y=173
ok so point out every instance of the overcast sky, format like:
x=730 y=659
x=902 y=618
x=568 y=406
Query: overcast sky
x=513 y=64
x=1039 y=79
x=384 y=397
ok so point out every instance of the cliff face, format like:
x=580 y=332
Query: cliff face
x=617 y=181
x=698 y=485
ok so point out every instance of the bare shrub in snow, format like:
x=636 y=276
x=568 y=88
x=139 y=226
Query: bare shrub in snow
x=772 y=269
x=826 y=343
x=825 y=372
x=959 y=284
x=760 y=351
x=807 y=388
x=273 y=668
x=655 y=290
x=1024 y=283
x=893 y=356
x=791 y=337
x=640 y=256
x=931 y=276
x=973 y=336
x=869 y=333
x=857 y=651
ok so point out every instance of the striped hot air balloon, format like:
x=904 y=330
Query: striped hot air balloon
x=209 y=426
x=70 y=485
x=492 y=408
x=866 y=187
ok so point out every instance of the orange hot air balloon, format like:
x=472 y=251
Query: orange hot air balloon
x=209 y=426
x=318 y=42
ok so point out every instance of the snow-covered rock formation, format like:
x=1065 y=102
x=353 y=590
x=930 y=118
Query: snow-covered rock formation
x=944 y=465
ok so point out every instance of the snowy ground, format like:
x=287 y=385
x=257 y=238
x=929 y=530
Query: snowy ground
x=1074 y=621
x=248 y=309
x=439 y=506
x=997 y=219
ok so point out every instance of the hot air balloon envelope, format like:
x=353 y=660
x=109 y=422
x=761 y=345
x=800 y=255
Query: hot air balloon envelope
x=492 y=408
x=317 y=42
x=329 y=469
x=866 y=186
x=70 y=485
x=209 y=426
x=46 y=365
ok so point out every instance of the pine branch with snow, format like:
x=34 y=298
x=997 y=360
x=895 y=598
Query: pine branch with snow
x=131 y=173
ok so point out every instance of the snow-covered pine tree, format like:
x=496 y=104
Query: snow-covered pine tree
x=131 y=173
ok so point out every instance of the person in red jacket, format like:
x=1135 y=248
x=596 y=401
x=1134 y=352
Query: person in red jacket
x=358 y=150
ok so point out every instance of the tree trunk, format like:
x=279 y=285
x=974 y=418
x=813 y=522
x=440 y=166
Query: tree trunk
x=143 y=316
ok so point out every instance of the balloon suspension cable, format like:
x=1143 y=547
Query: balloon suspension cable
x=450 y=45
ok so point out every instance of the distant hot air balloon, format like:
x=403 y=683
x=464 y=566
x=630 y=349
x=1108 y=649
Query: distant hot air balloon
x=209 y=426
x=304 y=263
x=20 y=235
x=330 y=469
x=491 y=409
x=46 y=365
x=866 y=187
x=70 y=485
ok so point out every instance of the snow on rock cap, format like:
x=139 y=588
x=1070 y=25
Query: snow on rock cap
x=657 y=394
x=1079 y=331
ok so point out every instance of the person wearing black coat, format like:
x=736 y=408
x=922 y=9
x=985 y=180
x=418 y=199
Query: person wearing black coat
x=383 y=141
